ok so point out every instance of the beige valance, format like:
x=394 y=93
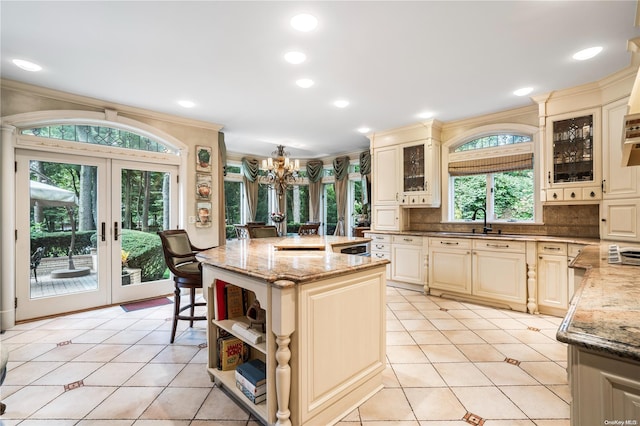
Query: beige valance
x=506 y=163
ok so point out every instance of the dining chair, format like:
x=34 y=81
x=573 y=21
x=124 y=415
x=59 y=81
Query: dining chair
x=242 y=231
x=179 y=255
x=309 y=229
x=265 y=231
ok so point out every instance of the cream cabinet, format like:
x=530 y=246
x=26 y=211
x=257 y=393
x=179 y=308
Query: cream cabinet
x=488 y=270
x=572 y=164
x=604 y=389
x=620 y=209
x=553 y=290
x=381 y=248
x=408 y=260
x=386 y=189
x=420 y=174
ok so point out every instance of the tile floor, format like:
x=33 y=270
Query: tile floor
x=449 y=363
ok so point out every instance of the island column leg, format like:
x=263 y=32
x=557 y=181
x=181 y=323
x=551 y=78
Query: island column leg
x=283 y=325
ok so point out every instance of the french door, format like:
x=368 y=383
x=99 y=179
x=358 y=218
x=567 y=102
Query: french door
x=90 y=236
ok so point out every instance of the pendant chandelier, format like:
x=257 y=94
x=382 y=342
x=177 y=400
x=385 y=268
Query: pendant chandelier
x=280 y=170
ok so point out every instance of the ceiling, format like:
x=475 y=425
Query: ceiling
x=391 y=60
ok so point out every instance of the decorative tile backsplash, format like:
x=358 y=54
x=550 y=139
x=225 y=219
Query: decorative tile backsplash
x=560 y=221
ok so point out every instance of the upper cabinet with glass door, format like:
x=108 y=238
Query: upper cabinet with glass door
x=573 y=160
x=420 y=174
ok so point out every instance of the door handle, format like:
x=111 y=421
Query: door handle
x=103 y=228
x=115 y=233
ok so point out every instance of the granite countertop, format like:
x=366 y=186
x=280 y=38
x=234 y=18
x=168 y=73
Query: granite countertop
x=604 y=314
x=287 y=261
x=491 y=236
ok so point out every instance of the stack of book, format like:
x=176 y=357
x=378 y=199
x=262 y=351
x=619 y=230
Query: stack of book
x=251 y=379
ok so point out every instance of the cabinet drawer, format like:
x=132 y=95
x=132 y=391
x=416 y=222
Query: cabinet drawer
x=552 y=248
x=592 y=193
x=384 y=247
x=381 y=255
x=379 y=238
x=500 y=245
x=411 y=240
x=555 y=195
x=462 y=243
x=572 y=194
x=574 y=249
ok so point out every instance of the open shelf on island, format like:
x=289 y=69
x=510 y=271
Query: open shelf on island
x=228 y=380
x=227 y=326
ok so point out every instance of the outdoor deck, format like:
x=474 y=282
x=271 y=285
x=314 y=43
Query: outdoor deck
x=47 y=286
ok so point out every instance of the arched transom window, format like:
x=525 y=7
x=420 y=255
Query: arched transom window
x=99 y=135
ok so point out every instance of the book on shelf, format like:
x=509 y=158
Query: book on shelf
x=234 y=301
x=243 y=330
x=255 y=371
x=231 y=352
x=250 y=387
x=256 y=399
x=220 y=307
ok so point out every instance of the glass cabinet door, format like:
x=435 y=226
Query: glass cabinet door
x=573 y=154
x=413 y=168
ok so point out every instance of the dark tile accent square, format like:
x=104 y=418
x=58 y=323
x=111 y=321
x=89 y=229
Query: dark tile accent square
x=512 y=361
x=473 y=419
x=65 y=343
x=73 y=385
x=533 y=328
x=444 y=309
x=202 y=345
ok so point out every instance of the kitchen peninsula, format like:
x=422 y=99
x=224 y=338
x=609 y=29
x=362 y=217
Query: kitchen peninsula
x=325 y=346
x=602 y=328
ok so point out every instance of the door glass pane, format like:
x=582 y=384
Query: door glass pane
x=331 y=209
x=63 y=235
x=297 y=207
x=145 y=211
x=263 y=210
x=233 y=206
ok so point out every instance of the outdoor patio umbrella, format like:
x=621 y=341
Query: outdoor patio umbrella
x=51 y=196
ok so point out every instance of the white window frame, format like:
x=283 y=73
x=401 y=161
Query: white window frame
x=448 y=155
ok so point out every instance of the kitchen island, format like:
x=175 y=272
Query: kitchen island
x=602 y=329
x=324 y=345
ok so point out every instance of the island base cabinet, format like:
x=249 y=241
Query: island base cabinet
x=325 y=345
x=604 y=390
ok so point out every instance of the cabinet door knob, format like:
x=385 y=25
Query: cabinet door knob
x=555 y=195
x=573 y=195
x=592 y=194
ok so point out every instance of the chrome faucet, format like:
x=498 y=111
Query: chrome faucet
x=485 y=229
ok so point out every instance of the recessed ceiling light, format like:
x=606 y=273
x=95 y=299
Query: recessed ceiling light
x=341 y=103
x=363 y=129
x=587 y=53
x=304 y=22
x=523 y=91
x=295 y=57
x=305 y=83
x=426 y=114
x=26 y=65
x=186 y=104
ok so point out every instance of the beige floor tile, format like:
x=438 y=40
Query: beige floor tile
x=462 y=374
x=127 y=337
x=146 y=324
x=29 y=372
x=394 y=325
x=503 y=373
x=176 y=354
x=395 y=338
x=218 y=406
x=510 y=422
x=395 y=423
x=400 y=306
x=156 y=337
x=74 y=404
x=481 y=353
x=27 y=352
x=443 y=353
x=496 y=336
x=447 y=324
x=541 y=323
x=562 y=391
x=94 y=336
x=64 y=323
x=529 y=336
x=449 y=304
x=537 y=402
x=487 y=402
x=155 y=375
x=113 y=374
x=378 y=407
x=429 y=337
x=424 y=306
x=461 y=337
x=463 y=313
x=154 y=422
x=491 y=313
x=28 y=400
x=406 y=354
x=520 y=352
x=125 y=403
x=110 y=422
x=201 y=357
x=118 y=323
x=508 y=324
x=353 y=416
x=435 y=404
x=389 y=379
x=441 y=423
x=176 y=403
x=102 y=353
x=65 y=352
x=547 y=373
x=194 y=376
x=552 y=422
x=418 y=376
x=478 y=324
x=69 y=373
x=436 y=314
x=139 y=353
x=554 y=351
x=408 y=315
x=417 y=324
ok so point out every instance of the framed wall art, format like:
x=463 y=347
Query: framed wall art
x=204 y=215
x=203 y=159
x=203 y=187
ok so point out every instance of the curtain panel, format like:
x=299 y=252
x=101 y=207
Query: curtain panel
x=506 y=163
x=341 y=172
x=250 y=168
x=314 y=173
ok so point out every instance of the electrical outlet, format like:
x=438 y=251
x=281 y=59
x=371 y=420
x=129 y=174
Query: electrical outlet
x=192 y=219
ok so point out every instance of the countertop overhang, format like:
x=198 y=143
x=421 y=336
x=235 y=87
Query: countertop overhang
x=269 y=259
x=604 y=313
